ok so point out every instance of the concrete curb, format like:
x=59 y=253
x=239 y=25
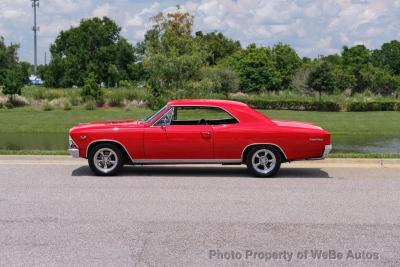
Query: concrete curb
x=349 y=163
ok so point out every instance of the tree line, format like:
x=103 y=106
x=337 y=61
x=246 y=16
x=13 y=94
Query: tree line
x=174 y=62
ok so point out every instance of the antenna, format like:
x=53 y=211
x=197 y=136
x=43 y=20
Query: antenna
x=35 y=4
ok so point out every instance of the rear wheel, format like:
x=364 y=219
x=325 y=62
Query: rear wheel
x=105 y=159
x=263 y=161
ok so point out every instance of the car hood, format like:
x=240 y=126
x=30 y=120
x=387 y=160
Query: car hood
x=297 y=124
x=113 y=122
x=109 y=123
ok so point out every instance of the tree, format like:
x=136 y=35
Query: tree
x=354 y=59
x=224 y=80
x=13 y=82
x=287 y=63
x=172 y=59
x=216 y=46
x=344 y=78
x=321 y=78
x=95 y=46
x=356 y=56
x=25 y=71
x=379 y=80
x=388 y=56
x=256 y=69
x=8 y=58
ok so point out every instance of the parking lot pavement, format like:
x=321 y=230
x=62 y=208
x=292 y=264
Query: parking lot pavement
x=53 y=211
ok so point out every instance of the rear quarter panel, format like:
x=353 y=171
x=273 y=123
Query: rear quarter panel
x=231 y=140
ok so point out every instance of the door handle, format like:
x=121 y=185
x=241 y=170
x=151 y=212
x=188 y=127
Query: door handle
x=206 y=134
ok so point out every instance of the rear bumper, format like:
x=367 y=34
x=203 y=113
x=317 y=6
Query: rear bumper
x=327 y=150
x=74 y=152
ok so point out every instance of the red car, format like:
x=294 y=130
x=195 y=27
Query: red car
x=199 y=131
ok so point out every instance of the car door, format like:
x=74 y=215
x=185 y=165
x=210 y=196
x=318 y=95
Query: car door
x=184 y=141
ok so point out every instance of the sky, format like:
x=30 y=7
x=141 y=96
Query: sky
x=312 y=27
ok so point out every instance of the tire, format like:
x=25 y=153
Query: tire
x=263 y=166
x=105 y=159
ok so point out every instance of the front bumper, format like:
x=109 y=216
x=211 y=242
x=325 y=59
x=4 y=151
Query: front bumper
x=74 y=152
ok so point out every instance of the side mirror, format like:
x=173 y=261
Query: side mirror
x=164 y=123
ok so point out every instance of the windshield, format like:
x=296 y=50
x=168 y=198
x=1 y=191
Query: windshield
x=149 y=119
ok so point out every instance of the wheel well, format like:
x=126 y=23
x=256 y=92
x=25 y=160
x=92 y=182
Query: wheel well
x=121 y=147
x=247 y=150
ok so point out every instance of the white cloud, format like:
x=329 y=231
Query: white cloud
x=313 y=27
x=141 y=18
x=102 y=10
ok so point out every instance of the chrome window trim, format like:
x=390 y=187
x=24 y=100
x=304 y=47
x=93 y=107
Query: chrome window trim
x=212 y=106
x=155 y=118
x=209 y=106
x=162 y=116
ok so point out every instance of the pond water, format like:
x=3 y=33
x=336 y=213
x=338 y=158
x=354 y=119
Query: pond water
x=389 y=146
x=59 y=141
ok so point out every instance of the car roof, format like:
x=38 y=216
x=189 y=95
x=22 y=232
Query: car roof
x=207 y=102
x=239 y=110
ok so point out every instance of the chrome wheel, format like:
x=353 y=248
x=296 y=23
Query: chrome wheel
x=263 y=161
x=105 y=160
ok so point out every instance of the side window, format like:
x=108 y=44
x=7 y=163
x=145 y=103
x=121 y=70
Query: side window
x=165 y=119
x=201 y=116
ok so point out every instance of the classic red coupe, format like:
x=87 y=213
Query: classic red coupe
x=199 y=131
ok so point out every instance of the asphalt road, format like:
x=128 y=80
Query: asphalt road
x=54 y=212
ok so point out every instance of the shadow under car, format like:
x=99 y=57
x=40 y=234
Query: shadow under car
x=204 y=171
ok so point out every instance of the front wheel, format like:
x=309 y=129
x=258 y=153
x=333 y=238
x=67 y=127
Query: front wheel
x=105 y=159
x=263 y=161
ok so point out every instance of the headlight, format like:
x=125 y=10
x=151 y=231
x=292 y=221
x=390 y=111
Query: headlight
x=71 y=143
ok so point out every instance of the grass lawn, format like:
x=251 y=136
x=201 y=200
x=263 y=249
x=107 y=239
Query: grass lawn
x=31 y=120
x=31 y=131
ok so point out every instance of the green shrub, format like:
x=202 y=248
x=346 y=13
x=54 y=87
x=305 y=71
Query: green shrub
x=47 y=106
x=91 y=89
x=90 y=104
x=100 y=101
x=225 y=81
x=67 y=105
x=36 y=93
x=127 y=93
x=136 y=94
x=75 y=99
x=18 y=101
x=41 y=93
x=373 y=106
x=13 y=82
x=51 y=94
x=115 y=98
x=125 y=84
x=1 y=105
x=9 y=104
x=306 y=105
